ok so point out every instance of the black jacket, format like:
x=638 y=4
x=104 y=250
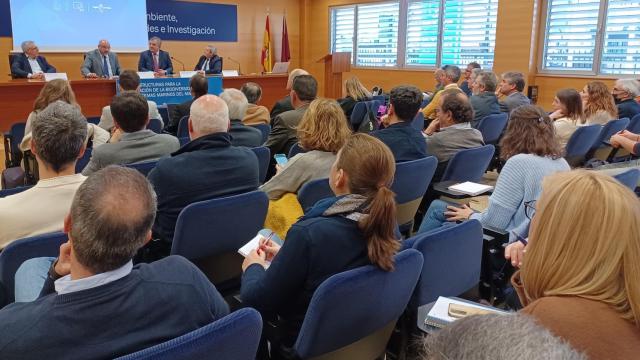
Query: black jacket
x=243 y=135
x=215 y=65
x=405 y=142
x=282 y=105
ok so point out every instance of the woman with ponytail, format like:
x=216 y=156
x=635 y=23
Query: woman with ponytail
x=352 y=229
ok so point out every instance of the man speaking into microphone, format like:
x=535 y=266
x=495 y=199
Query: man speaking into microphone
x=210 y=63
x=154 y=59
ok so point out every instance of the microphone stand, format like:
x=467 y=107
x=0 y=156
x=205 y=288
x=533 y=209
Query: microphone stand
x=237 y=62
x=179 y=62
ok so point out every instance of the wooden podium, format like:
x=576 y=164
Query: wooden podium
x=334 y=65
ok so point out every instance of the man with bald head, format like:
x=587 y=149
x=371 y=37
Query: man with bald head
x=101 y=62
x=205 y=168
x=285 y=104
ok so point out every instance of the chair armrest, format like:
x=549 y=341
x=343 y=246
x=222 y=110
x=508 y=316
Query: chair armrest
x=493 y=233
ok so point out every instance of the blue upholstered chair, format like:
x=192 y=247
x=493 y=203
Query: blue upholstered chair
x=358 y=114
x=12 y=140
x=163 y=110
x=629 y=178
x=492 y=126
x=634 y=124
x=580 y=143
x=84 y=160
x=265 y=129
x=295 y=150
x=353 y=313
x=469 y=164
x=144 y=167
x=9 y=192
x=410 y=184
x=210 y=232
x=418 y=121
x=380 y=98
x=183 y=127
x=264 y=155
x=183 y=141
x=608 y=130
x=155 y=125
x=235 y=336
x=95 y=120
x=19 y=251
x=314 y=191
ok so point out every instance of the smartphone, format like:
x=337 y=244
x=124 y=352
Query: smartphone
x=281 y=159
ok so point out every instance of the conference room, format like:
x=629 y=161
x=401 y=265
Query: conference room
x=330 y=179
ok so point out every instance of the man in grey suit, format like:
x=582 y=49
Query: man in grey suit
x=511 y=87
x=131 y=114
x=101 y=62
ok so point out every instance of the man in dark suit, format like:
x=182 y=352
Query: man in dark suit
x=284 y=104
x=154 y=59
x=101 y=62
x=30 y=64
x=199 y=86
x=241 y=134
x=209 y=63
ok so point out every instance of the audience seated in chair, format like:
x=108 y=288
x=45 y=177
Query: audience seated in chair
x=510 y=91
x=241 y=134
x=256 y=114
x=59 y=133
x=531 y=151
x=354 y=93
x=322 y=132
x=629 y=142
x=625 y=91
x=574 y=277
x=406 y=142
x=285 y=104
x=465 y=86
x=598 y=104
x=199 y=86
x=30 y=64
x=130 y=114
x=59 y=90
x=567 y=114
x=92 y=291
x=484 y=100
x=450 y=80
x=207 y=167
x=129 y=81
x=353 y=229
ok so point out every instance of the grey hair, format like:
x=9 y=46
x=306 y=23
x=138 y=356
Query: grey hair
x=209 y=114
x=105 y=40
x=498 y=337
x=111 y=218
x=213 y=49
x=514 y=78
x=252 y=91
x=452 y=72
x=630 y=85
x=293 y=75
x=156 y=39
x=59 y=133
x=487 y=79
x=236 y=102
x=474 y=73
x=26 y=44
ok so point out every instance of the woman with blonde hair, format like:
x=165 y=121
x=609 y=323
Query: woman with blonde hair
x=53 y=91
x=598 y=104
x=321 y=133
x=354 y=93
x=580 y=277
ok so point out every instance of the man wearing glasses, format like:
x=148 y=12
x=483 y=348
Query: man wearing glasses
x=30 y=64
x=624 y=92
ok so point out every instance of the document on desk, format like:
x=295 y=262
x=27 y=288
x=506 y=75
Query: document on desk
x=447 y=310
x=471 y=188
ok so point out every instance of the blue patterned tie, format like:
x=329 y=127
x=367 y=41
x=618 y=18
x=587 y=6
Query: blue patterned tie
x=105 y=66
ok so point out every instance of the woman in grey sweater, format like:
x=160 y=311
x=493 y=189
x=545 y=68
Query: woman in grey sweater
x=321 y=133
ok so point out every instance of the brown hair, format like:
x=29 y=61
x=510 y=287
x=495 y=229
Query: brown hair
x=323 y=127
x=370 y=167
x=530 y=131
x=600 y=98
x=53 y=91
x=356 y=90
x=572 y=101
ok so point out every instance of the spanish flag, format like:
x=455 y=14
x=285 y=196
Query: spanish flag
x=267 y=56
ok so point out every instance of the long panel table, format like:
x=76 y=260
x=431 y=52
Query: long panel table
x=17 y=96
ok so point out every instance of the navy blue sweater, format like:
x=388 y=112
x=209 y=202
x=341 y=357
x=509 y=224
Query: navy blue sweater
x=628 y=109
x=153 y=304
x=405 y=142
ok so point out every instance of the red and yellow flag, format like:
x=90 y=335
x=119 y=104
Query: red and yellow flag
x=267 y=57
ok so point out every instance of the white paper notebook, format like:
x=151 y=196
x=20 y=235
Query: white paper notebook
x=255 y=242
x=187 y=74
x=439 y=316
x=471 y=188
x=54 y=76
x=146 y=74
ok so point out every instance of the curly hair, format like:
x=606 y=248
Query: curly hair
x=600 y=98
x=530 y=131
x=323 y=127
x=458 y=104
x=53 y=91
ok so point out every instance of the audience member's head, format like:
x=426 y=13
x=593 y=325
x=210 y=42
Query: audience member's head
x=365 y=166
x=303 y=90
x=486 y=81
x=405 y=102
x=130 y=111
x=625 y=89
x=596 y=97
x=59 y=132
x=199 y=86
x=472 y=79
x=511 y=82
x=598 y=256
x=355 y=90
x=438 y=75
x=110 y=219
x=236 y=102
x=454 y=108
x=469 y=69
x=253 y=92
x=129 y=80
x=569 y=102
x=498 y=337
x=452 y=74
x=530 y=131
x=155 y=43
x=294 y=74
x=323 y=127
x=55 y=90
x=209 y=115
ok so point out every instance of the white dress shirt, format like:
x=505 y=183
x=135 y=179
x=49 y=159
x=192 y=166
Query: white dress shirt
x=65 y=285
x=35 y=66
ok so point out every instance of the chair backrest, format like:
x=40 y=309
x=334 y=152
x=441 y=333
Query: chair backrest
x=144 y=167
x=425 y=102
x=629 y=178
x=84 y=160
x=352 y=305
x=634 y=124
x=211 y=229
x=155 y=125
x=410 y=183
x=581 y=141
x=452 y=260
x=184 y=140
x=381 y=98
x=16 y=134
x=358 y=114
x=469 y=164
x=295 y=150
x=93 y=120
x=264 y=156
x=418 y=121
x=164 y=113
x=314 y=191
x=19 y=251
x=265 y=129
x=235 y=336
x=183 y=127
x=608 y=130
x=13 y=191
x=492 y=126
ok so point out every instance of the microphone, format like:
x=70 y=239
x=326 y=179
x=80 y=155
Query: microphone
x=237 y=62
x=179 y=62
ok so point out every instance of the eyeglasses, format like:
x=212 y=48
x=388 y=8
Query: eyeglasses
x=530 y=209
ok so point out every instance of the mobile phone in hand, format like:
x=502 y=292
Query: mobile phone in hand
x=281 y=159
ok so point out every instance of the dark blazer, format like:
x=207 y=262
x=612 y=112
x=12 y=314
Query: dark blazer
x=282 y=105
x=205 y=168
x=464 y=86
x=243 y=135
x=93 y=63
x=405 y=142
x=628 y=109
x=146 y=61
x=20 y=68
x=215 y=65
x=283 y=133
x=483 y=104
x=178 y=112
